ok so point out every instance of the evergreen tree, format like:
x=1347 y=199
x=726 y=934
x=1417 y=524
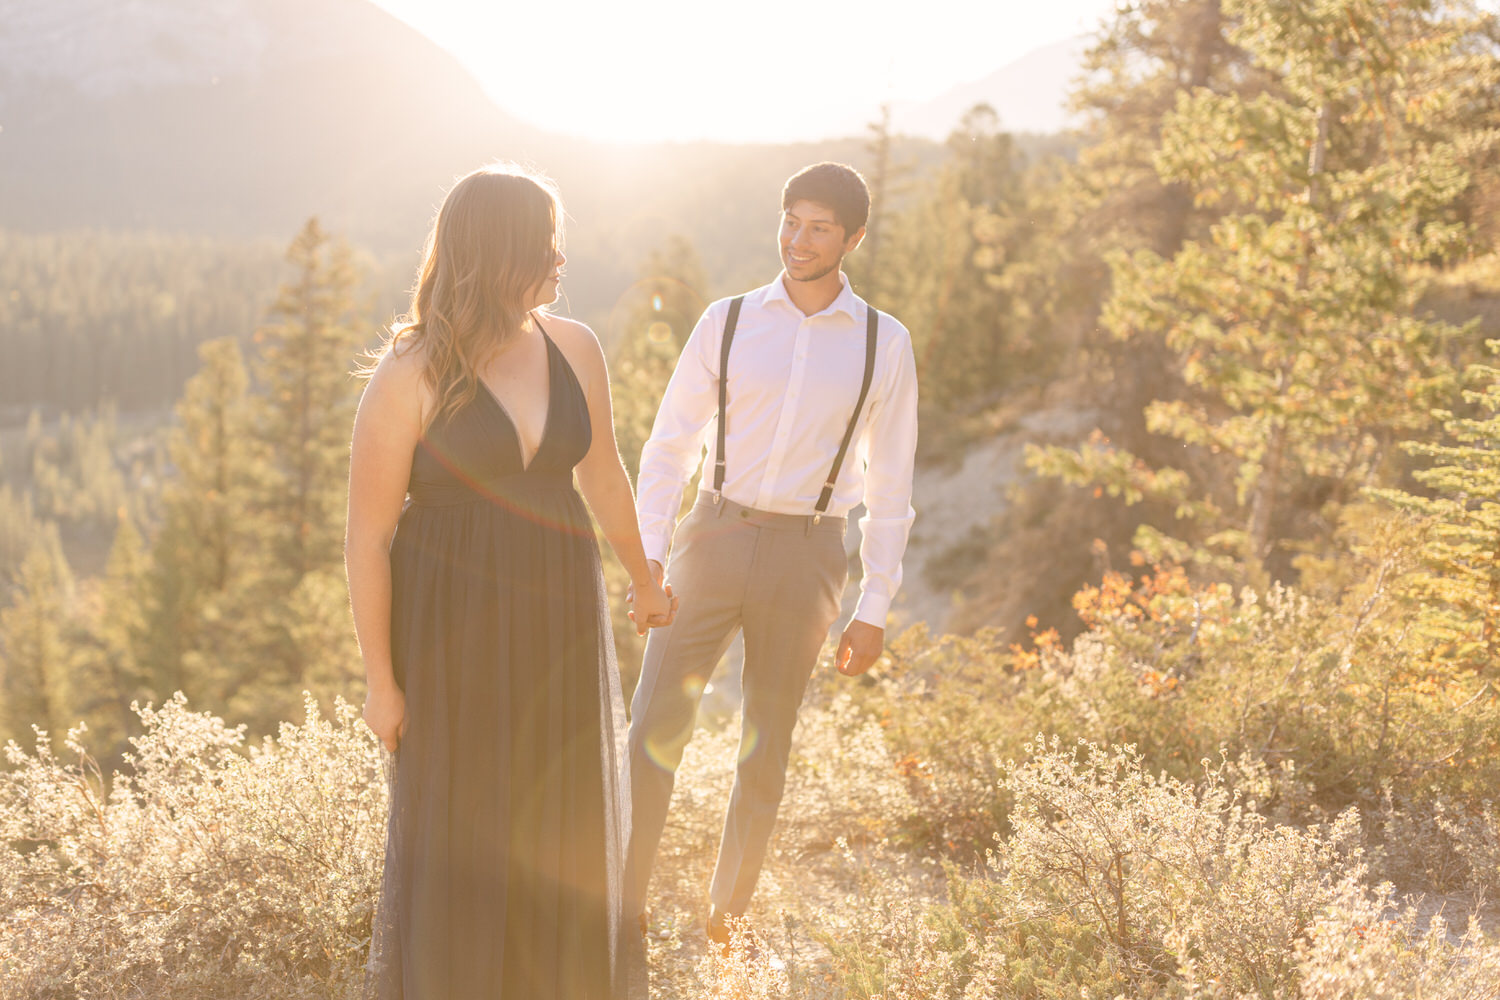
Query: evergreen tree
x=1293 y=322
x=34 y=650
x=19 y=530
x=1151 y=52
x=659 y=315
x=302 y=422
x=204 y=555
x=1459 y=587
x=306 y=354
x=106 y=676
x=943 y=266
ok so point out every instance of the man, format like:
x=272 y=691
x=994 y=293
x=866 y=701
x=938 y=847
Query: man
x=820 y=390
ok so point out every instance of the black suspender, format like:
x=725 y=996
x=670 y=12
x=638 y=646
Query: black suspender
x=729 y=325
x=872 y=323
x=872 y=320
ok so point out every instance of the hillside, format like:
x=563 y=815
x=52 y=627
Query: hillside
x=238 y=120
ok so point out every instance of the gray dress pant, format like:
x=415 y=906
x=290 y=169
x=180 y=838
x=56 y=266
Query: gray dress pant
x=779 y=577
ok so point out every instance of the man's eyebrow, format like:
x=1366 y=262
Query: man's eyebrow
x=793 y=215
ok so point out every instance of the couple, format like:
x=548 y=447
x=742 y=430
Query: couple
x=524 y=820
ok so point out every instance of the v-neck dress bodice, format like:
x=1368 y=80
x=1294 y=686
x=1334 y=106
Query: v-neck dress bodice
x=477 y=454
x=505 y=846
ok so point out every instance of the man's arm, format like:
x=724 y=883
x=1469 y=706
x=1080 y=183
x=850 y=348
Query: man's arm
x=676 y=444
x=892 y=434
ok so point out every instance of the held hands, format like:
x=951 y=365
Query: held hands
x=385 y=714
x=652 y=605
x=859 y=648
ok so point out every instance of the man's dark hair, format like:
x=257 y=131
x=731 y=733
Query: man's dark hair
x=833 y=185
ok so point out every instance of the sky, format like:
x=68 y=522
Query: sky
x=772 y=70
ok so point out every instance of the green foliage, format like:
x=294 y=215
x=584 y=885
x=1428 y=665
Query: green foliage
x=204 y=557
x=19 y=529
x=1145 y=56
x=285 y=615
x=78 y=475
x=968 y=267
x=658 y=315
x=92 y=316
x=34 y=650
x=106 y=674
x=1294 y=322
x=1458 y=587
x=303 y=367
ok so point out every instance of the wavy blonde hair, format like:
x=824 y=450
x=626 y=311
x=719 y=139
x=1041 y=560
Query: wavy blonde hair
x=495 y=240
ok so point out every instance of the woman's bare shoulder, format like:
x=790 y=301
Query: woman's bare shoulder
x=398 y=378
x=579 y=344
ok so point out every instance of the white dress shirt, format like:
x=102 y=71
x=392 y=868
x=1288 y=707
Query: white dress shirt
x=793 y=384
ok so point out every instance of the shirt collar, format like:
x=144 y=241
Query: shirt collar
x=844 y=303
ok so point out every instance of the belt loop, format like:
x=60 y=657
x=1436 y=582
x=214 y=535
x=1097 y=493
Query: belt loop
x=808 y=526
x=718 y=507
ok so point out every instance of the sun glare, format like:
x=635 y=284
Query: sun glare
x=669 y=70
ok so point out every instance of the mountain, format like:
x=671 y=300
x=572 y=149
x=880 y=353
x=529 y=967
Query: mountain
x=1030 y=95
x=231 y=117
x=241 y=118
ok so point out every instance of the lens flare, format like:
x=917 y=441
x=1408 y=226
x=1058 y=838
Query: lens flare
x=749 y=740
x=666 y=751
x=658 y=332
x=495 y=492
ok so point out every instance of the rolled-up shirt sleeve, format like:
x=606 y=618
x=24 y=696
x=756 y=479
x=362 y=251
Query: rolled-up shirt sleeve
x=886 y=524
x=675 y=447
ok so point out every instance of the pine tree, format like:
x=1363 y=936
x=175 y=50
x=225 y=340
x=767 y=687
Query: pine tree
x=1294 y=321
x=1151 y=52
x=306 y=355
x=1459 y=588
x=943 y=261
x=34 y=651
x=19 y=529
x=660 y=312
x=106 y=676
x=304 y=369
x=205 y=554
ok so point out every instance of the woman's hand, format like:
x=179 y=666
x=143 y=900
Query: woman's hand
x=652 y=605
x=385 y=714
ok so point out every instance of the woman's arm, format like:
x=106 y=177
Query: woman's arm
x=604 y=482
x=386 y=430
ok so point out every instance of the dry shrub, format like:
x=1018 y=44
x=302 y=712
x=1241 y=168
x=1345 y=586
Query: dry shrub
x=1182 y=883
x=1362 y=947
x=200 y=871
x=1120 y=882
x=1441 y=845
x=1339 y=693
x=843 y=781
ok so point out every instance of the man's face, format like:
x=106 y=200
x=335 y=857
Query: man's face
x=813 y=243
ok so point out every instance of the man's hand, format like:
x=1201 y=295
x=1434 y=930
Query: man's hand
x=859 y=648
x=653 y=613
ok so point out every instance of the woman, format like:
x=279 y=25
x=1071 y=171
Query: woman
x=481 y=616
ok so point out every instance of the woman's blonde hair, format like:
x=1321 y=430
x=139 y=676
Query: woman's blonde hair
x=495 y=240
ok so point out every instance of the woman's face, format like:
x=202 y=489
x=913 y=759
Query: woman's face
x=545 y=292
